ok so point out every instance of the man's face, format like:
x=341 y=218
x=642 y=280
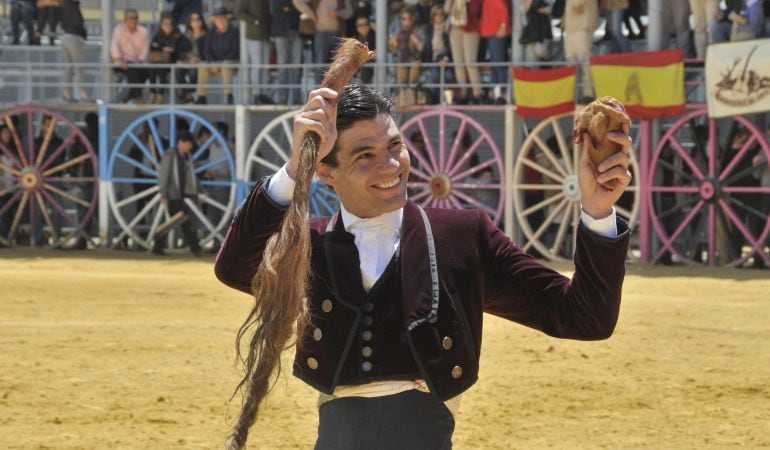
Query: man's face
x=131 y=19
x=221 y=23
x=184 y=147
x=372 y=168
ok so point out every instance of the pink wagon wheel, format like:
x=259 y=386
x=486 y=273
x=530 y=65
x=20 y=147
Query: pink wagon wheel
x=455 y=163
x=49 y=172
x=706 y=202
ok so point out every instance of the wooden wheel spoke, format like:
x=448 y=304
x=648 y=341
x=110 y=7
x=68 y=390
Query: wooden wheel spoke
x=473 y=170
x=16 y=141
x=46 y=141
x=737 y=158
x=540 y=187
x=683 y=225
x=160 y=214
x=531 y=164
x=270 y=165
x=58 y=207
x=428 y=146
x=19 y=211
x=557 y=131
x=46 y=216
x=148 y=170
x=491 y=186
x=551 y=157
x=472 y=201
x=67 y=164
x=156 y=134
x=59 y=150
x=458 y=141
x=143 y=148
x=676 y=209
x=663 y=163
x=464 y=159
x=204 y=167
x=66 y=195
x=205 y=198
x=686 y=158
x=200 y=216
x=139 y=195
x=542 y=204
x=419 y=157
x=203 y=147
x=141 y=214
x=276 y=148
x=10 y=169
x=561 y=233
x=549 y=220
x=9 y=154
x=420 y=195
x=420 y=174
x=743 y=206
x=737 y=176
x=738 y=223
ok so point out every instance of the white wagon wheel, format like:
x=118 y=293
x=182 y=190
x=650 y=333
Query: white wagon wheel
x=133 y=192
x=546 y=193
x=271 y=149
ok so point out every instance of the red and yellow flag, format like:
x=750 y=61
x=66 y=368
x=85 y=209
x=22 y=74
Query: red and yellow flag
x=649 y=84
x=544 y=93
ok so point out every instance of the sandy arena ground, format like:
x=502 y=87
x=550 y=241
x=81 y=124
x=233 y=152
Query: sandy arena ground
x=120 y=350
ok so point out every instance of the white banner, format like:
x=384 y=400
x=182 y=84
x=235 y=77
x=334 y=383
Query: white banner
x=738 y=78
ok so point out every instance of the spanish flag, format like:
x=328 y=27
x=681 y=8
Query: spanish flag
x=649 y=84
x=544 y=93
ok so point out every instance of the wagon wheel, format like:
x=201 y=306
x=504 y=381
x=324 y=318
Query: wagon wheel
x=271 y=149
x=706 y=204
x=133 y=191
x=546 y=193
x=455 y=162
x=49 y=189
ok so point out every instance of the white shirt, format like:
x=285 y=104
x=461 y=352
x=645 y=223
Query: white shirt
x=377 y=238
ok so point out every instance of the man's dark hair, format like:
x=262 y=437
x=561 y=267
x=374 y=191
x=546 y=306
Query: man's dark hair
x=358 y=102
x=184 y=135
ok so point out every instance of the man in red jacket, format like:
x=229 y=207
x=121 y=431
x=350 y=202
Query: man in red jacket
x=397 y=291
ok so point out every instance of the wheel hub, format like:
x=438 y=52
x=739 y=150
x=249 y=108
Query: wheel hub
x=30 y=178
x=571 y=188
x=710 y=189
x=440 y=186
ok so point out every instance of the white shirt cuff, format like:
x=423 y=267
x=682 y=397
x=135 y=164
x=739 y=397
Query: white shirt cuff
x=281 y=187
x=607 y=226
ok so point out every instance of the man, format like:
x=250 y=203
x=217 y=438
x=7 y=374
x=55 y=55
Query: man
x=328 y=17
x=130 y=47
x=579 y=21
x=397 y=292
x=221 y=48
x=178 y=185
x=23 y=12
x=288 y=50
x=256 y=15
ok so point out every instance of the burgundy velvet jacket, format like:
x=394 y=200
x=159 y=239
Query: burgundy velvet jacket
x=480 y=270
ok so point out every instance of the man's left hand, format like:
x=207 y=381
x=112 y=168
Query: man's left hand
x=597 y=198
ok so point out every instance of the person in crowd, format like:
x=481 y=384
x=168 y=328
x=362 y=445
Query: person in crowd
x=496 y=29
x=464 y=25
x=613 y=14
x=361 y=8
x=86 y=170
x=673 y=18
x=704 y=14
x=181 y=9
x=7 y=183
x=23 y=12
x=255 y=14
x=221 y=49
x=364 y=33
x=423 y=9
x=328 y=17
x=129 y=50
x=634 y=14
x=762 y=173
x=166 y=47
x=536 y=35
x=195 y=32
x=218 y=172
x=178 y=184
x=579 y=22
x=406 y=46
x=73 y=43
x=48 y=13
x=288 y=50
x=722 y=25
x=437 y=50
x=748 y=23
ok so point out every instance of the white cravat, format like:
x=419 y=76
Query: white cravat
x=376 y=238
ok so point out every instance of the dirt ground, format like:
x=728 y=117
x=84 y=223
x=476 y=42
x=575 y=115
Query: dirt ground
x=119 y=350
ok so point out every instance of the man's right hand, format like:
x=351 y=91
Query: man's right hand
x=318 y=115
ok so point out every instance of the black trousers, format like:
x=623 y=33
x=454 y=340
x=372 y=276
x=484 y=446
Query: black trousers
x=411 y=420
x=134 y=75
x=188 y=228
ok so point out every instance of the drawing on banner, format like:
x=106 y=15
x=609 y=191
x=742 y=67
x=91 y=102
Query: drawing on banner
x=744 y=86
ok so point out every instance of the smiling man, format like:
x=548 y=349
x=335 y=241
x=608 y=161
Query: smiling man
x=397 y=292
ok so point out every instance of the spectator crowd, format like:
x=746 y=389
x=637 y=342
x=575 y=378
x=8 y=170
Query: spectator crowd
x=430 y=42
